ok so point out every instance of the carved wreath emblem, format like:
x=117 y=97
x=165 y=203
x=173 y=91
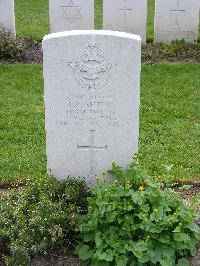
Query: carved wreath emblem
x=91 y=71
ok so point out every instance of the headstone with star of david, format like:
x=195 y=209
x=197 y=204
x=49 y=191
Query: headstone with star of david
x=7 y=17
x=92 y=97
x=176 y=20
x=126 y=15
x=71 y=15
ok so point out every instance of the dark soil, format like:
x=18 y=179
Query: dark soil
x=58 y=260
x=54 y=259
x=195 y=261
x=176 y=52
x=8 y=186
x=187 y=189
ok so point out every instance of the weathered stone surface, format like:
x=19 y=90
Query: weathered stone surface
x=92 y=97
x=71 y=15
x=7 y=16
x=176 y=20
x=126 y=15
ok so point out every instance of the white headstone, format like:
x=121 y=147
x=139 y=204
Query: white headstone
x=92 y=96
x=7 y=16
x=71 y=15
x=176 y=20
x=126 y=15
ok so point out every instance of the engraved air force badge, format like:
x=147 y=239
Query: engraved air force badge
x=91 y=71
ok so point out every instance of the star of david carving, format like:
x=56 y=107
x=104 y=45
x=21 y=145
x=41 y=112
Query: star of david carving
x=71 y=12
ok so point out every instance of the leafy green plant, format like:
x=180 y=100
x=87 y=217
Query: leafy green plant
x=9 y=49
x=132 y=220
x=174 y=48
x=40 y=217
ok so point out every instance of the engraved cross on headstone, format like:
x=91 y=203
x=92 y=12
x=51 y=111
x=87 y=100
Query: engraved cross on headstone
x=125 y=9
x=178 y=9
x=92 y=148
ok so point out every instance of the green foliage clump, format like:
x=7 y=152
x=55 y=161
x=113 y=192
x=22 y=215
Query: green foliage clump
x=135 y=221
x=9 y=49
x=174 y=48
x=40 y=217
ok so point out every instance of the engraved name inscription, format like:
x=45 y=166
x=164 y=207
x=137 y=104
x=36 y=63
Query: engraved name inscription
x=89 y=109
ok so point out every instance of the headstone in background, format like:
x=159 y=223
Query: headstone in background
x=92 y=98
x=176 y=20
x=71 y=15
x=126 y=15
x=7 y=16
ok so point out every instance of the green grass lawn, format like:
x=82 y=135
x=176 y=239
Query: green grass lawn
x=170 y=121
x=32 y=17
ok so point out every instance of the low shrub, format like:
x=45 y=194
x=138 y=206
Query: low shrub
x=133 y=220
x=40 y=217
x=174 y=48
x=9 y=49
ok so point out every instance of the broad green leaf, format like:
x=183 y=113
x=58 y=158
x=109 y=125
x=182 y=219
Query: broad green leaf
x=182 y=237
x=85 y=253
x=88 y=236
x=160 y=213
x=98 y=239
x=121 y=261
x=104 y=256
x=183 y=262
x=165 y=262
x=194 y=228
x=164 y=238
x=109 y=255
x=177 y=230
x=158 y=254
x=139 y=248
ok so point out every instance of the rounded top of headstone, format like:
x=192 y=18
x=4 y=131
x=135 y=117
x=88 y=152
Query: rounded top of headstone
x=91 y=32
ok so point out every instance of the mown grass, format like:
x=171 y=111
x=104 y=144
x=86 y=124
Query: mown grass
x=32 y=18
x=170 y=120
x=169 y=132
x=22 y=122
